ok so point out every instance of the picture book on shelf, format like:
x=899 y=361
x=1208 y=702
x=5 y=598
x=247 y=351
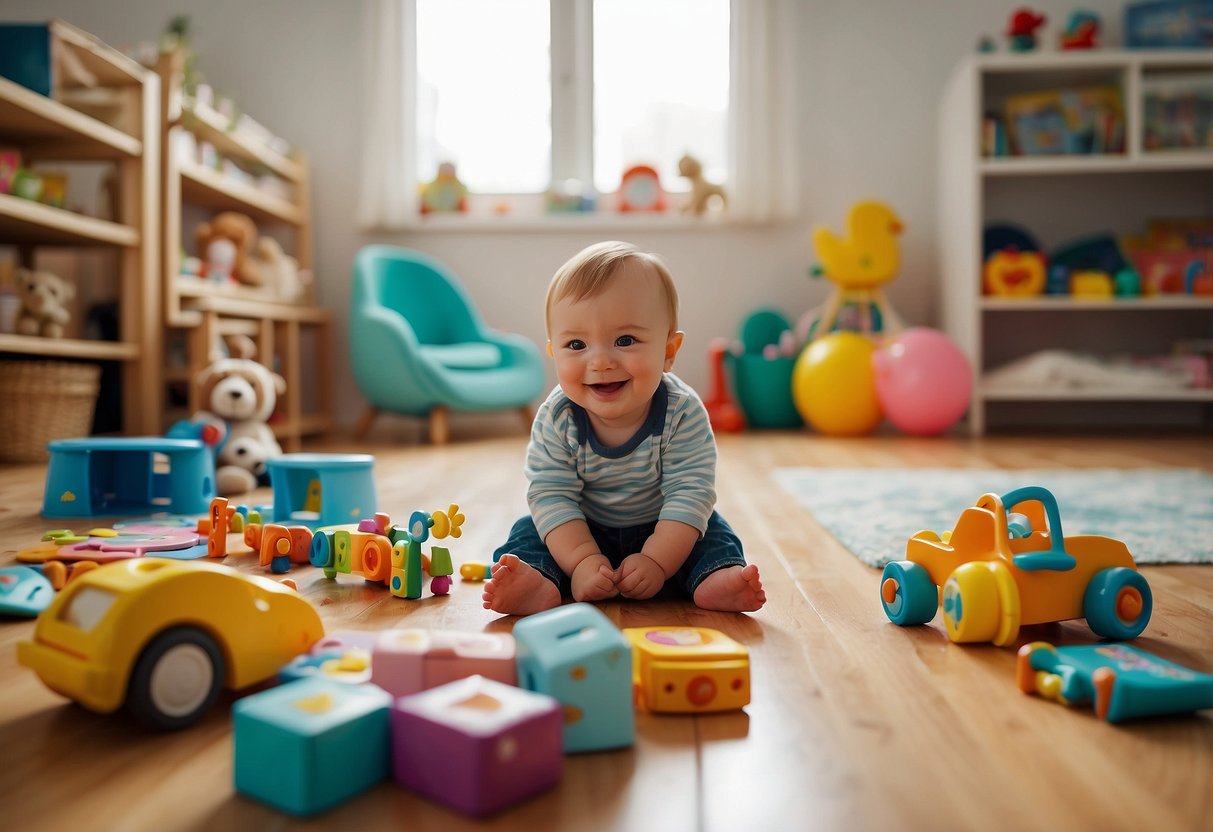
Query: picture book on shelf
x=1066 y=121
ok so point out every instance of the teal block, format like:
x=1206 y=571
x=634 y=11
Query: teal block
x=577 y=656
x=311 y=744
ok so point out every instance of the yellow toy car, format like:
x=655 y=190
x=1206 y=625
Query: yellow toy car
x=162 y=636
x=688 y=669
x=1006 y=564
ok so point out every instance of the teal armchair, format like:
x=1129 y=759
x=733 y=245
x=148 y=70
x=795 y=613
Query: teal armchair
x=419 y=346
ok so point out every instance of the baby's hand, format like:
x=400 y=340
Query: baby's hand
x=639 y=577
x=593 y=579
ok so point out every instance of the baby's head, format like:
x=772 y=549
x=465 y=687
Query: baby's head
x=612 y=318
x=591 y=270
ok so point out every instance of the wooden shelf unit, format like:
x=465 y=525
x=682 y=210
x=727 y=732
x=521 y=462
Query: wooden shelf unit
x=45 y=129
x=1060 y=199
x=207 y=312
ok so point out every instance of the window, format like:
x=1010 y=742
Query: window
x=524 y=94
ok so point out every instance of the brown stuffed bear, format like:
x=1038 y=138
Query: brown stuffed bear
x=224 y=246
x=44 y=298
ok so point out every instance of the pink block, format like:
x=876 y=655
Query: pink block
x=404 y=662
x=476 y=745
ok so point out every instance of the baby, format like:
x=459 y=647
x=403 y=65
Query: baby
x=622 y=461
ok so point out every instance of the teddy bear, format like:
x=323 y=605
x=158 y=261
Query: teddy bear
x=44 y=297
x=239 y=395
x=277 y=269
x=702 y=191
x=225 y=245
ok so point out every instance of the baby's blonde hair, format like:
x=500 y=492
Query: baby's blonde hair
x=589 y=271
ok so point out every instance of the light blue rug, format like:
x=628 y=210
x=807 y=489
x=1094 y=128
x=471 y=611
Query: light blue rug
x=1162 y=515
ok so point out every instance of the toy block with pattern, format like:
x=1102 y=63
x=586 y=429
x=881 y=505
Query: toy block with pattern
x=311 y=744
x=476 y=745
x=576 y=655
x=404 y=662
x=688 y=669
x=341 y=550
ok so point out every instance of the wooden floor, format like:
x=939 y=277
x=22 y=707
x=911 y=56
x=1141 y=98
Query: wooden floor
x=855 y=723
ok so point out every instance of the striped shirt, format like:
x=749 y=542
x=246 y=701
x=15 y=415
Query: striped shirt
x=666 y=471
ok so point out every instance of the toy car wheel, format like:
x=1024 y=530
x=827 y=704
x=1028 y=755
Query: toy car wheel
x=1118 y=603
x=176 y=679
x=908 y=594
x=981 y=603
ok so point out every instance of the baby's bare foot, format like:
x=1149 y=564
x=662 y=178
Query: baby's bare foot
x=517 y=588
x=732 y=589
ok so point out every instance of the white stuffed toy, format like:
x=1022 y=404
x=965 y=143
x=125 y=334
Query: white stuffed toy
x=242 y=393
x=44 y=303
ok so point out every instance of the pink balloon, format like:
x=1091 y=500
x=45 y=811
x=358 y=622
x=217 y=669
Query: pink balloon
x=923 y=381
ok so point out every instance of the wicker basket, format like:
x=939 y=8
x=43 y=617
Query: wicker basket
x=44 y=400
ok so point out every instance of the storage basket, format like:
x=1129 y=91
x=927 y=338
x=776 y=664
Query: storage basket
x=44 y=400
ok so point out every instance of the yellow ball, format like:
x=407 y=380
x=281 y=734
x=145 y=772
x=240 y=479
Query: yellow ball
x=834 y=386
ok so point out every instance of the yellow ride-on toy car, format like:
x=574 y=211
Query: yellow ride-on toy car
x=1006 y=564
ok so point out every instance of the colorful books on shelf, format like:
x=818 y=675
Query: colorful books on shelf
x=1177 y=112
x=1066 y=121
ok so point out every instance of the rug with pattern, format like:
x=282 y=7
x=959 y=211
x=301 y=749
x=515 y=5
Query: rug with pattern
x=1162 y=515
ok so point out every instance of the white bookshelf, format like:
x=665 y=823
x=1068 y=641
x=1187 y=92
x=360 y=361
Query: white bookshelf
x=1059 y=199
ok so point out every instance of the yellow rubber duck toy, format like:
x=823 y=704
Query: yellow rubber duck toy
x=860 y=263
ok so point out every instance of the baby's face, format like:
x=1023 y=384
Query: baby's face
x=611 y=349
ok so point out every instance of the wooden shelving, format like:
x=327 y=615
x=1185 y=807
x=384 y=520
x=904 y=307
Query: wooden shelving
x=48 y=130
x=207 y=312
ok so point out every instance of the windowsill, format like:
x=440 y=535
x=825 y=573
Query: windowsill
x=590 y=221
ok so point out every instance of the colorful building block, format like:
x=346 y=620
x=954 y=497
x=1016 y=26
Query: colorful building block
x=311 y=744
x=688 y=669
x=405 y=662
x=476 y=745
x=576 y=655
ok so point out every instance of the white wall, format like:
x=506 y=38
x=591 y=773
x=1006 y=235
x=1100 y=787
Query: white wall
x=871 y=75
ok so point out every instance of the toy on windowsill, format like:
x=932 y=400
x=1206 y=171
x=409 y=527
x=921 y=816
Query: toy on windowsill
x=445 y=194
x=1021 y=29
x=704 y=194
x=688 y=670
x=1082 y=30
x=1007 y=564
x=162 y=637
x=1121 y=682
x=44 y=300
x=640 y=190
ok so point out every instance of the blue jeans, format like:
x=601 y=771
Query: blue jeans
x=719 y=547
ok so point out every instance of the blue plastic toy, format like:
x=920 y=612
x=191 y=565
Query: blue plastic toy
x=1123 y=682
x=24 y=591
x=322 y=489
x=128 y=476
x=309 y=745
x=577 y=656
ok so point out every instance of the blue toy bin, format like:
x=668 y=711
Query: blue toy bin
x=764 y=390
